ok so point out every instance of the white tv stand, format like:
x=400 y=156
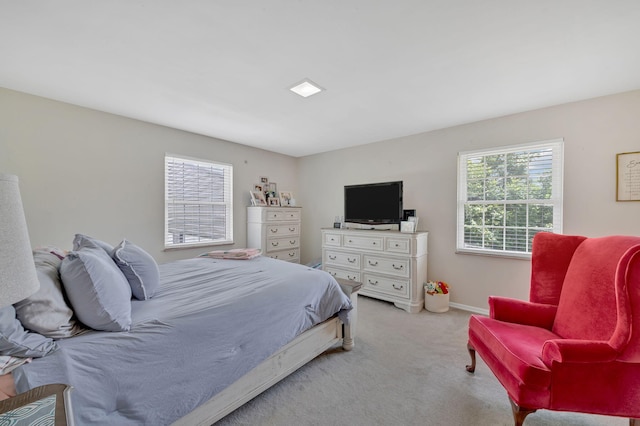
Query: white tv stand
x=391 y=265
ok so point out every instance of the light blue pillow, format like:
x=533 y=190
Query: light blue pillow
x=16 y=341
x=98 y=291
x=81 y=240
x=139 y=268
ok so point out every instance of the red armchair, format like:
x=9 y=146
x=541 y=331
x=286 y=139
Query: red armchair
x=575 y=346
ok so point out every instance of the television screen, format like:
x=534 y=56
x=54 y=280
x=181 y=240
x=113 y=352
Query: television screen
x=373 y=203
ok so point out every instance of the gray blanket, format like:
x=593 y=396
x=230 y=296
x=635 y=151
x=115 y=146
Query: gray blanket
x=210 y=323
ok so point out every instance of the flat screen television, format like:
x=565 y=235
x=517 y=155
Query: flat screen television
x=373 y=203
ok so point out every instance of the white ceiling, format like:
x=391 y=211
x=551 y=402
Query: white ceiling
x=391 y=68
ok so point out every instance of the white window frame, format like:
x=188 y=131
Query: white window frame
x=557 y=151
x=195 y=238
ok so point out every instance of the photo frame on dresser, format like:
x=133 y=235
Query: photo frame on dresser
x=258 y=198
x=285 y=198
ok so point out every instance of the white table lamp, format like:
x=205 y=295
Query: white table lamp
x=18 y=278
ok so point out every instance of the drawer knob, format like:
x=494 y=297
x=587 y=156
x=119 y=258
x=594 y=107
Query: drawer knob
x=351 y=260
x=372 y=282
x=398 y=287
x=292 y=242
x=373 y=263
x=397 y=245
x=292 y=254
x=274 y=230
x=292 y=229
x=274 y=244
x=332 y=257
x=398 y=268
x=351 y=278
x=374 y=243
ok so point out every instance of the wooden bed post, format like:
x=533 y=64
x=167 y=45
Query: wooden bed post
x=350 y=288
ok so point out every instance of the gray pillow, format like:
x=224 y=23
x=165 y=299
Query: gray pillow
x=98 y=291
x=139 y=268
x=81 y=240
x=47 y=312
x=16 y=341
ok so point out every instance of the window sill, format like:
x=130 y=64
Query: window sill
x=198 y=245
x=503 y=255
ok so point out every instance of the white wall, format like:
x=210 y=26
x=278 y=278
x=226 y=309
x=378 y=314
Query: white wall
x=103 y=175
x=594 y=132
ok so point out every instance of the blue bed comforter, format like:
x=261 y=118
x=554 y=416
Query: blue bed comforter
x=211 y=322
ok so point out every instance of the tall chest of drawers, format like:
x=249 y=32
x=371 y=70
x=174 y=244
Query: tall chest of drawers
x=276 y=231
x=391 y=265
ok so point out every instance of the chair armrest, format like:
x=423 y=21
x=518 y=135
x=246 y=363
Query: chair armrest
x=522 y=312
x=577 y=351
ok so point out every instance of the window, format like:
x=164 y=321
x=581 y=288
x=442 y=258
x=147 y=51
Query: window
x=198 y=202
x=507 y=195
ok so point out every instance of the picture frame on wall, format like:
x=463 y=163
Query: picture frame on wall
x=628 y=176
x=258 y=198
x=264 y=180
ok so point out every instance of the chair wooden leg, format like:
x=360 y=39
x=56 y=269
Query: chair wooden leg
x=472 y=352
x=519 y=413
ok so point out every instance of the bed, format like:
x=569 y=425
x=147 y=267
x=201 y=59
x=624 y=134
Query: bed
x=215 y=334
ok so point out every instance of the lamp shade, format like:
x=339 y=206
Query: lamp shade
x=18 y=278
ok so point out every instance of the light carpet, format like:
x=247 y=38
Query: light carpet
x=406 y=369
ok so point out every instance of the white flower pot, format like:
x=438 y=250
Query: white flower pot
x=436 y=302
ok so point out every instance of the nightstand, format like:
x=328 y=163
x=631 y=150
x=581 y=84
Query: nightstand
x=44 y=405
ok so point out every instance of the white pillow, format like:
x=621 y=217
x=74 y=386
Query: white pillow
x=46 y=312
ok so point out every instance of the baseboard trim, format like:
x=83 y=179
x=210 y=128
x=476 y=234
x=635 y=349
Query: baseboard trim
x=469 y=308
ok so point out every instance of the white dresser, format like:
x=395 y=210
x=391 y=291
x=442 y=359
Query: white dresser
x=391 y=265
x=276 y=231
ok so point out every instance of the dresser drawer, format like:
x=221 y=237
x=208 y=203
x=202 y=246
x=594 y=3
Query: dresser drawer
x=387 y=265
x=364 y=242
x=292 y=255
x=345 y=275
x=398 y=245
x=275 y=244
x=332 y=240
x=282 y=230
x=282 y=215
x=396 y=287
x=351 y=260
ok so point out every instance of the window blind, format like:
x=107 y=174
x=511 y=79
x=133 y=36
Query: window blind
x=198 y=202
x=507 y=195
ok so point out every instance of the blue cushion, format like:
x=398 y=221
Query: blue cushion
x=16 y=341
x=98 y=291
x=139 y=268
x=81 y=240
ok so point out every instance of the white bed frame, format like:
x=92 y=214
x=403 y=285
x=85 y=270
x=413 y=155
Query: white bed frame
x=288 y=359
